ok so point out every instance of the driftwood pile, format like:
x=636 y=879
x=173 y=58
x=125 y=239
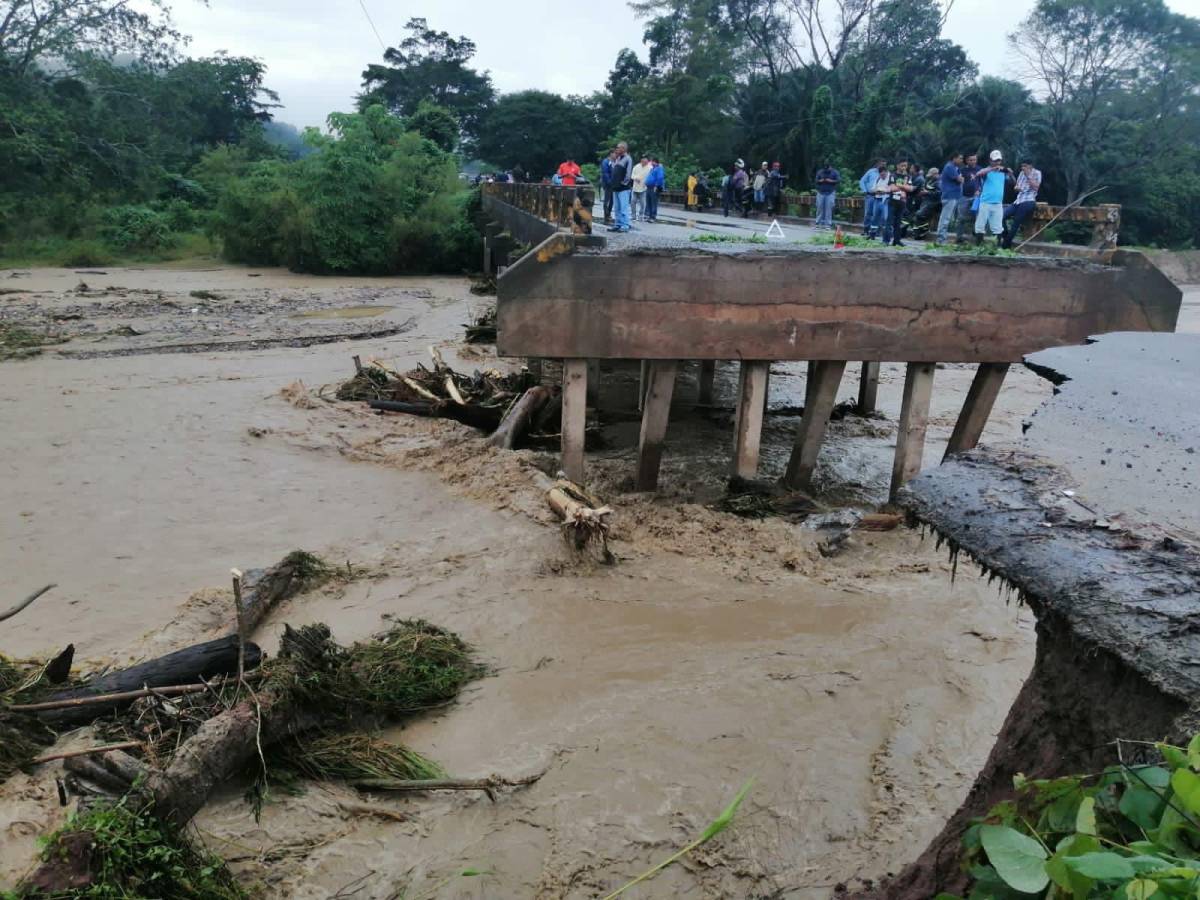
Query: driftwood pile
x=513 y=409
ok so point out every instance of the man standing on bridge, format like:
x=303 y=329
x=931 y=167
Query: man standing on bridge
x=827 y=184
x=952 y=190
x=637 y=205
x=654 y=183
x=622 y=184
x=606 y=168
x=992 y=182
x=569 y=171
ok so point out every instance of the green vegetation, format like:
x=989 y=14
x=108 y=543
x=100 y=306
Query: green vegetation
x=715 y=827
x=352 y=756
x=136 y=855
x=373 y=198
x=410 y=667
x=850 y=240
x=728 y=239
x=1131 y=831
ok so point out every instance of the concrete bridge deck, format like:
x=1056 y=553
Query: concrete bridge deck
x=656 y=296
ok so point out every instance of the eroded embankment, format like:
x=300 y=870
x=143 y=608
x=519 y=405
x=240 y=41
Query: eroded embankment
x=1116 y=589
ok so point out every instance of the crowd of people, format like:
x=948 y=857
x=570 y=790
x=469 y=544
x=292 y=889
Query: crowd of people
x=901 y=199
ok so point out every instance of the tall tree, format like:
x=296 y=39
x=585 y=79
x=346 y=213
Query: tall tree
x=1081 y=55
x=34 y=30
x=430 y=65
x=538 y=130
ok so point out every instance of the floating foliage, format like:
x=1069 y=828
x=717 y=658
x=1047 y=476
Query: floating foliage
x=353 y=756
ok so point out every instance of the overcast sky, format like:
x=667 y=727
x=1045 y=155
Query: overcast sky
x=315 y=50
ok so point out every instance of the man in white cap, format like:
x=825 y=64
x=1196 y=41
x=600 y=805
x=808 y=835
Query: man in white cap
x=992 y=182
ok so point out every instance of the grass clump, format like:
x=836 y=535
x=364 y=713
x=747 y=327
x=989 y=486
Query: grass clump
x=849 y=240
x=728 y=239
x=125 y=852
x=355 y=756
x=308 y=567
x=410 y=667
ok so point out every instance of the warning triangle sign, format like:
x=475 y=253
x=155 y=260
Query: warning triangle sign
x=775 y=231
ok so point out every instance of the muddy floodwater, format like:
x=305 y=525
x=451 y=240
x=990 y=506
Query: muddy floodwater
x=183 y=429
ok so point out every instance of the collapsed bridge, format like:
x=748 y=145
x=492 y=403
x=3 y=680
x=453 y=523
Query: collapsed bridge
x=582 y=299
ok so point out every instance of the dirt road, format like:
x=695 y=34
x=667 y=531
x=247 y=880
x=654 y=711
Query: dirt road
x=860 y=691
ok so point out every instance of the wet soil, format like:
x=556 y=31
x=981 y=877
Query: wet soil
x=861 y=691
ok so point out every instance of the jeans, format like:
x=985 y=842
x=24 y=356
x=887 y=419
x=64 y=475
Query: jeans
x=621 y=208
x=608 y=202
x=1020 y=212
x=882 y=219
x=948 y=217
x=896 y=215
x=637 y=205
x=760 y=197
x=965 y=216
x=990 y=219
x=868 y=213
x=652 y=203
x=825 y=209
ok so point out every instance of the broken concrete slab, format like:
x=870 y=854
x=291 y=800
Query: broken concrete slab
x=1110 y=566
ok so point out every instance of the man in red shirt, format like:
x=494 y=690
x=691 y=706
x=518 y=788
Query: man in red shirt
x=569 y=171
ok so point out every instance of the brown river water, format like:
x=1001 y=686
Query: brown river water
x=861 y=692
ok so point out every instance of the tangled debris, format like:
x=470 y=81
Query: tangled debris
x=513 y=408
x=312 y=711
x=482 y=329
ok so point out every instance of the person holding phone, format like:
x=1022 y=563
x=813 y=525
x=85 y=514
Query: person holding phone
x=992 y=182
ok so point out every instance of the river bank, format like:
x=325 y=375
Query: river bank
x=862 y=691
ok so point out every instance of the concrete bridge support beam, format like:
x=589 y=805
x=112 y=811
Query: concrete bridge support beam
x=747 y=430
x=981 y=397
x=574 y=417
x=656 y=412
x=821 y=395
x=914 y=421
x=868 y=388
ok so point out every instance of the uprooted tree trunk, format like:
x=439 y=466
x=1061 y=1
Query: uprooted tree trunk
x=186 y=666
x=517 y=420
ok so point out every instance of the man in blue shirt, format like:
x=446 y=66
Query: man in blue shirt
x=970 y=187
x=655 y=181
x=952 y=191
x=992 y=182
x=827 y=183
x=874 y=206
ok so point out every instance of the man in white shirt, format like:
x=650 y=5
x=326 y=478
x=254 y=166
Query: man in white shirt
x=1029 y=180
x=638 y=204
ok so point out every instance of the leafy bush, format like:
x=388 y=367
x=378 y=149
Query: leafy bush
x=371 y=199
x=1132 y=832
x=137 y=228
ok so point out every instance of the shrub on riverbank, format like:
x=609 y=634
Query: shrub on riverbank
x=372 y=199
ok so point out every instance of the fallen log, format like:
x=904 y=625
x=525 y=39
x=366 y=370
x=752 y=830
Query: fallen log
x=517 y=420
x=583 y=515
x=189 y=665
x=485 y=418
x=263 y=589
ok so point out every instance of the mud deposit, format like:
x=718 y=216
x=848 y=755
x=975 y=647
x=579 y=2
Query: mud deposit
x=862 y=691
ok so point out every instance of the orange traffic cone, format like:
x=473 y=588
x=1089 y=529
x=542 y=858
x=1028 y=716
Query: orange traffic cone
x=839 y=243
